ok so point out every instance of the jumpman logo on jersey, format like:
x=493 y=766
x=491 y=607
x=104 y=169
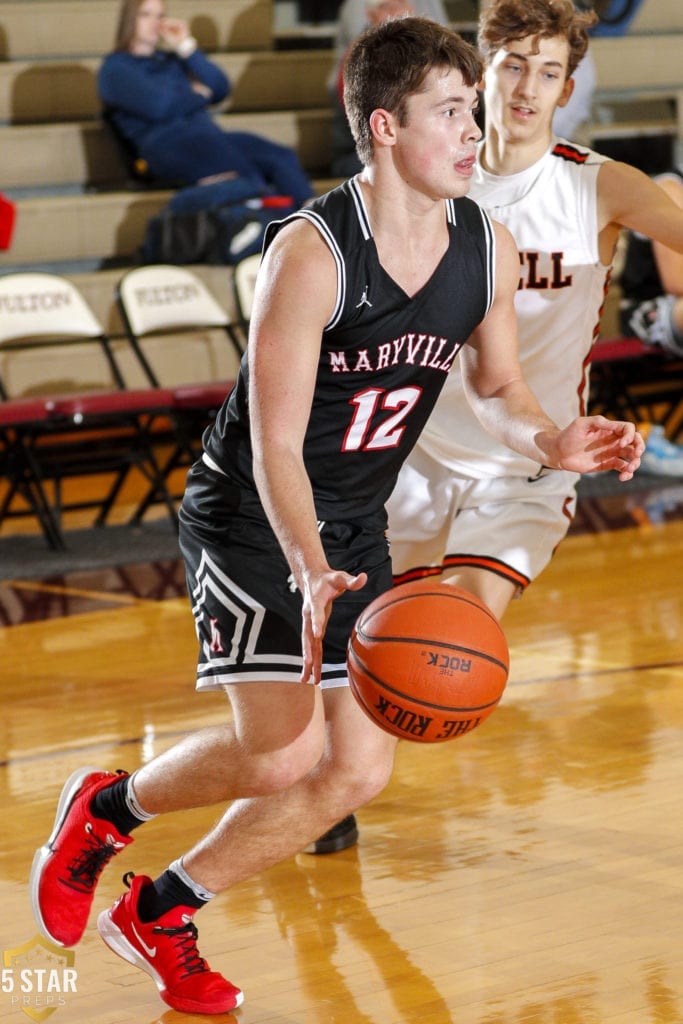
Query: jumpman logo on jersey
x=364 y=300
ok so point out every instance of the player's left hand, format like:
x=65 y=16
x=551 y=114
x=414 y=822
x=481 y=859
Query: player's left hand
x=592 y=444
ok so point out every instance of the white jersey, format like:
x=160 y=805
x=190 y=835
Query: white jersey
x=562 y=289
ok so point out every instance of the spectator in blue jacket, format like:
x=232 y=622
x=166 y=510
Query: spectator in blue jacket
x=158 y=86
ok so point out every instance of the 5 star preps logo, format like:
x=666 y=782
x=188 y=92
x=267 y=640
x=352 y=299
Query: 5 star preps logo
x=38 y=977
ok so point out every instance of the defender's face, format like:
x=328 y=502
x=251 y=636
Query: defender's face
x=435 y=148
x=525 y=82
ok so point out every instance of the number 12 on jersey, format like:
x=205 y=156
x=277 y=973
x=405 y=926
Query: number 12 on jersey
x=363 y=434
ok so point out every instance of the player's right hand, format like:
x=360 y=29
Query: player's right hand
x=319 y=590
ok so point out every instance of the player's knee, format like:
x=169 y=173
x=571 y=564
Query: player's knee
x=361 y=784
x=280 y=769
x=374 y=780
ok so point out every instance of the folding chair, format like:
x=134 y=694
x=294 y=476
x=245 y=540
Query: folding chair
x=165 y=308
x=243 y=286
x=64 y=409
x=638 y=382
x=18 y=467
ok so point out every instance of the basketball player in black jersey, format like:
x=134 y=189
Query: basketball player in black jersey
x=362 y=304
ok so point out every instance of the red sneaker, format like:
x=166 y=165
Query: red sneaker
x=66 y=870
x=167 y=950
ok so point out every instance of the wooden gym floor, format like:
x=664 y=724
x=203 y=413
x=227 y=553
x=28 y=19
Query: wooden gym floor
x=528 y=873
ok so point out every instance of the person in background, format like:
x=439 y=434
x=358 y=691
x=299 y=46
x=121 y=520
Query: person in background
x=651 y=281
x=157 y=87
x=354 y=17
x=357 y=15
x=363 y=301
x=651 y=308
x=571 y=121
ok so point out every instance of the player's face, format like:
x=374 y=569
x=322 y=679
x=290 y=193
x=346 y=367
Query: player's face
x=435 y=148
x=523 y=87
x=148 y=25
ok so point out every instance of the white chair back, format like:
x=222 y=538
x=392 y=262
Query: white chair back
x=38 y=305
x=244 y=282
x=161 y=297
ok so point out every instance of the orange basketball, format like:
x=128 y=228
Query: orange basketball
x=427 y=661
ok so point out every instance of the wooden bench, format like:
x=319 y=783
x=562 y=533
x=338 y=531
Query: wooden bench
x=91 y=227
x=639 y=69
x=84 y=153
x=86 y=28
x=53 y=90
x=658 y=16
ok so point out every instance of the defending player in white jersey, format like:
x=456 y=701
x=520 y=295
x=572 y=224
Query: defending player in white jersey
x=468 y=508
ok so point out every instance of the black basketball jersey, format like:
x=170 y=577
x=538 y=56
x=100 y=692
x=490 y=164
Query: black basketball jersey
x=384 y=356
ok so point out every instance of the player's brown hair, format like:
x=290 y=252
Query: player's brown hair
x=389 y=62
x=504 y=21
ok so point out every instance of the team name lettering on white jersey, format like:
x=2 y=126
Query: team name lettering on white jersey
x=543 y=275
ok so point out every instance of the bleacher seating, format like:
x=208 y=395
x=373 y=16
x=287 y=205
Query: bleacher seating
x=640 y=85
x=83 y=155
x=55 y=145
x=59 y=89
x=68 y=28
x=56 y=148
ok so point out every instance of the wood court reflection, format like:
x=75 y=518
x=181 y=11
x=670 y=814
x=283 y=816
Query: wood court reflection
x=528 y=873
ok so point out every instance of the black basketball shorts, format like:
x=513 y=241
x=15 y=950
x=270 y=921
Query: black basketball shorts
x=246 y=609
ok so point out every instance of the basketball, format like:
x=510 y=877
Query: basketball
x=427 y=662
